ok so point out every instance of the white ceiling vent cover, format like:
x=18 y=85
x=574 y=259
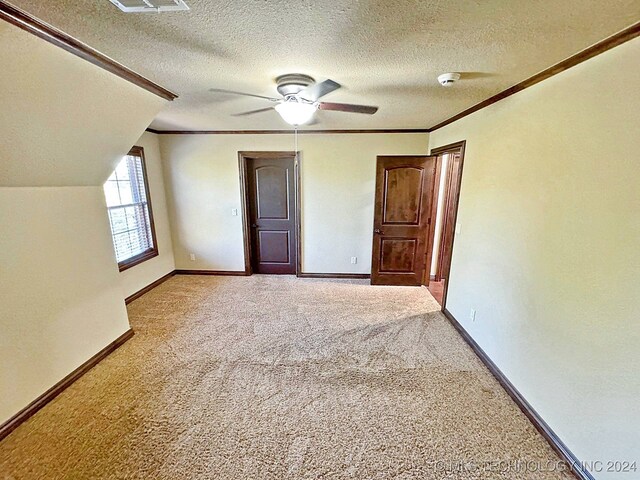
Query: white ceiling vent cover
x=136 y=6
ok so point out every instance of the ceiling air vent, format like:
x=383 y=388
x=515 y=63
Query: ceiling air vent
x=136 y=6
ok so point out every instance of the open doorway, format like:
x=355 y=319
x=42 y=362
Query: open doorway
x=444 y=210
x=270 y=186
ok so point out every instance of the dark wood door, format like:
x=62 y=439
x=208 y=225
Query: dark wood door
x=272 y=213
x=404 y=191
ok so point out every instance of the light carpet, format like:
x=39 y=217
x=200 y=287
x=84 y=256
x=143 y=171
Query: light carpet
x=274 y=377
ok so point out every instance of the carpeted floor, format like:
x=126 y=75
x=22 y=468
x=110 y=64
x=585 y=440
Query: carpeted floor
x=268 y=377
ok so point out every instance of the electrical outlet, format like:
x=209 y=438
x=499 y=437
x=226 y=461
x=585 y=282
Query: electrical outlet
x=472 y=315
x=354 y=260
x=192 y=257
x=234 y=212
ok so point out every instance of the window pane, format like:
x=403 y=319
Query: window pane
x=122 y=170
x=126 y=196
x=111 y=193
x=121 y=244
x=138 y=175
x=132 y=219
x=118 y=220
x=136 y=245
x=147 y=222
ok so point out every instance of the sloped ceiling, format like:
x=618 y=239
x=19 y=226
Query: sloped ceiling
x=64 y=121
x=384 y=52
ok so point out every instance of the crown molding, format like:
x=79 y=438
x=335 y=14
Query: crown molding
x=607 y=44
x=49 y=33
x=284 y=132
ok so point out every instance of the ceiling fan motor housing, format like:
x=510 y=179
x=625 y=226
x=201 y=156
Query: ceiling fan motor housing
x=293 y=83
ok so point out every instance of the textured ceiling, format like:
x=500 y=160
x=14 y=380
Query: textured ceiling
x=384 y=52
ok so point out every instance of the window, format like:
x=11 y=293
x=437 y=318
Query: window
x=129 y=207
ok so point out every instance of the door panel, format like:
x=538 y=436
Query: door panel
x=271 y=192
x=404 y=187
x=274 y=246
x=403 y=195
x=397 y=255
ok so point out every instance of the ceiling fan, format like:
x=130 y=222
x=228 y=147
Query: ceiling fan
x=300 y=99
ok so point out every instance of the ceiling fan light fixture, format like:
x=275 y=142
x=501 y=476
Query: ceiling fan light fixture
x=296 y=113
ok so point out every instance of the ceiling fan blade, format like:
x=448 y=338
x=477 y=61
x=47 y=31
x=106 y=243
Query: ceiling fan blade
x=251 y=112
x=347 y=107
x=317 y=90
x=233 y=92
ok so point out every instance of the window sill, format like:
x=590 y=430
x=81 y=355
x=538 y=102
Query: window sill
x=133 y=261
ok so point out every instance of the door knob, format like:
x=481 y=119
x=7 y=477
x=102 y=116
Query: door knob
x=377 y=230
x=253 y=225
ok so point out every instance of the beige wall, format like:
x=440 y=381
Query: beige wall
x=65 y=123
x=338 y=183
x=147 y=272
x=59 y=288
x=548 y=252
